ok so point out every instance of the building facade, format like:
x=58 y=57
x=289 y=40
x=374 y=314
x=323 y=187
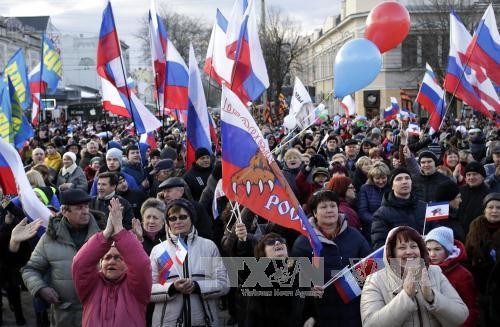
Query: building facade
x=79 y=56
x=403 y=67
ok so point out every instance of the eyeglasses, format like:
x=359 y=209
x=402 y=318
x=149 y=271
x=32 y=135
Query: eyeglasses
x=174 y=218
x=110 y=256
x=273 y=241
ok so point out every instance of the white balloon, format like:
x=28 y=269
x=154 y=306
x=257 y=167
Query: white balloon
x=289 y=122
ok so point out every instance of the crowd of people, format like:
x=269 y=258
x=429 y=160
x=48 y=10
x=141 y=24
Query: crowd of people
x=132 y=229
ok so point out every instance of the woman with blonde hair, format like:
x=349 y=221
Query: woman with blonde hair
x=370 y=196
x=363 y=166
x=35 y=178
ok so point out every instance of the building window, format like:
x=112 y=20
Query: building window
x=409 y=51
x=86 y=62
x=430 y=44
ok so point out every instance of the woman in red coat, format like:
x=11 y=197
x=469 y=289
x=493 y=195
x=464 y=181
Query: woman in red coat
x=346 y=192
x=448 y=254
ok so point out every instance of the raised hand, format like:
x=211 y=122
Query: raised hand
x=425 y=286
x=409 y=283
x=241 y=231
x=116 y=215
x=137 y=228
x=24 y=231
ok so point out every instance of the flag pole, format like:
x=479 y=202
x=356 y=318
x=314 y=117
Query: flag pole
x=40 y=83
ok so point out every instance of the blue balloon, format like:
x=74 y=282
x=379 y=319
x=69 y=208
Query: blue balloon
x=357 y=64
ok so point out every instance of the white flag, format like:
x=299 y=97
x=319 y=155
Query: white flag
x=300 y=97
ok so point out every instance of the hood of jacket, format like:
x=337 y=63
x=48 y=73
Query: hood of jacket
x=388 y=251
x=457 y=257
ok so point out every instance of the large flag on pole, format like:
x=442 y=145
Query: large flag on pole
x=19 y=124
x=462 y=80
x=392 y=111
x=249 y=77
x=484 y=49
x=10 y=159
x=250 y=174
x=217 y=64
x=16 y=71
x=116 y=95
x=198 y=122
x=432 y=98
x=158 y=38
x=300 y=97
x=45 y=76
x=177 y=80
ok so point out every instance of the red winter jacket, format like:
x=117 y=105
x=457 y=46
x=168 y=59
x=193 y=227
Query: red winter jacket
x=106 y=303
x=461 y=279
x=351 y=215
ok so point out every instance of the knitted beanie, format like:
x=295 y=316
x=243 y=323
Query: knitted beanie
x=115 y=153
x=442 y=235
x=71 y=155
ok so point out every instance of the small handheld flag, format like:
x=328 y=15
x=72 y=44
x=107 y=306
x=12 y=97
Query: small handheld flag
x=165 y=263
x=181 y=251
x=437 y=211
x=347 y=286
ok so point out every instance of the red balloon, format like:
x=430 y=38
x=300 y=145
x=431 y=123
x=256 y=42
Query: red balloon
x=387 y=25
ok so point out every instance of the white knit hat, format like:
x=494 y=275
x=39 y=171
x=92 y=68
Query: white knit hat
x=71 y=155
x=442 y=235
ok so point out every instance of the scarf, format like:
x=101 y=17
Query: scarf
x=66 y=172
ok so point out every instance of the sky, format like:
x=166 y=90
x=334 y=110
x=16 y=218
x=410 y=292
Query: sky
x=84 y=16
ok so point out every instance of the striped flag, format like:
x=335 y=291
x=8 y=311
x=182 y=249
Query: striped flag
x=165 y=263
x=181 y=251
x=347 y=286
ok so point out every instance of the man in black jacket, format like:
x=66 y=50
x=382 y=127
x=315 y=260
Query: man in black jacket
x=400 y=207
x=134 y=197
x=429 y=178
x=106 y=190
x=197 y=176
x=473 y=193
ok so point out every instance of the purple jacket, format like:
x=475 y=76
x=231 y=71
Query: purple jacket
x=106 y=303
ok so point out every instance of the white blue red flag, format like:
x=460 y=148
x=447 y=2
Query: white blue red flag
x=158 y=39
x=165 y=263
x=484 y=49
x=249 y=77
x=413 y=129
x=10 y=159
x=148 y=139
x=432 y=98
x=177 y=80
x=392 y=111
x=468 y=84
x=198 y=122
x=250 y=174
x=217 y=64
x=437 y=211
x=116 y=95
x=347 y=286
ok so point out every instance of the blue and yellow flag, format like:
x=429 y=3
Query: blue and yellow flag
x=50 y=72
x=16 y=71
x=5 y=111
x=21 y=129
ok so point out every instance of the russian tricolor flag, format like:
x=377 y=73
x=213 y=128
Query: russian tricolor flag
x=437 y=211
x=392 y=111
x=250 y=174
x=249 y=76
x=217 y=64
x=484 y=49
x=432 y=97
x=198 y=122
x=158 y=38
x=468 y=83
x=177 y=80
x=116 y=96
x=347 y=286
x=165 y=262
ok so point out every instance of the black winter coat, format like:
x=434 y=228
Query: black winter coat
x=425 y=186
x=472 y=204
x=196 y=178
x=103 y=206
x=396 y=212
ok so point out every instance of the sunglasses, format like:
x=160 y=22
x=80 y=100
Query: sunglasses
x=273 y=241
x=174 y=218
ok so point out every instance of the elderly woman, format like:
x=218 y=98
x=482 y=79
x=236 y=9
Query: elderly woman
x=409 y=292
x=275 y=310
x=370 y=196
x=340 y=243
x=71 y=176
x=153 y=224
x=112 y=276
x=483 y=249
x=186 y=288
x=292 y=165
